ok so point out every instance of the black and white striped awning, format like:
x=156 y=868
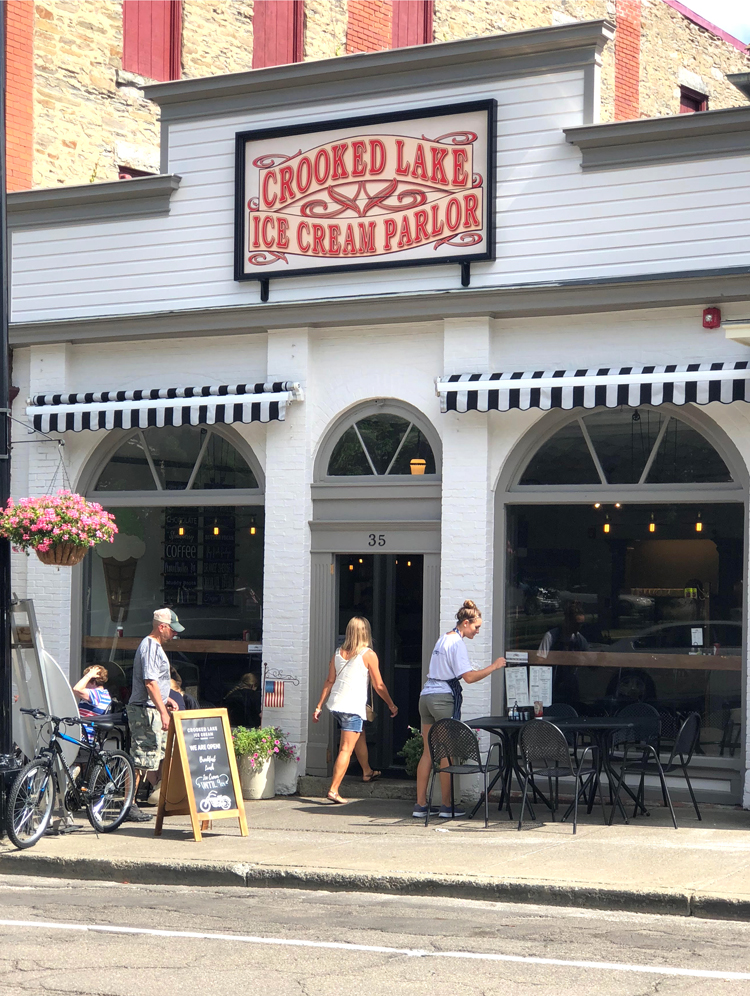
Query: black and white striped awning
x=165 y=406
x=610 y=387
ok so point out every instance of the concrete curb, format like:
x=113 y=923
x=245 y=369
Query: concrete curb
x=246 y=875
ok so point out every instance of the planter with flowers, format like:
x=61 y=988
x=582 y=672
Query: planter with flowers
x=59 y=528
x=287 y=760
x=256 y=752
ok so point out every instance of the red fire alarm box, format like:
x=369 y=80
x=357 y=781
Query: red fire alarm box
x=711 y=318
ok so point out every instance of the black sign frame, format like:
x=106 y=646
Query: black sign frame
x=240 y=235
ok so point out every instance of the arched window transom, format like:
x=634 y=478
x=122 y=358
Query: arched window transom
x=381 y=445
x=626 y=446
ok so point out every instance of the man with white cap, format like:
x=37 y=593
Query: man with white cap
x=149 y=705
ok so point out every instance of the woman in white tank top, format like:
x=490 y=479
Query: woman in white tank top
x=351 y=667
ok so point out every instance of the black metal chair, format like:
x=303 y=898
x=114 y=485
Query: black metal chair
x=684 y=747
x=546 y=755
x=642 y=736
x=455 y=742
x=561 y=710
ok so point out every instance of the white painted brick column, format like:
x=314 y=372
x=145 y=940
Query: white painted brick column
x=50 y=587
x=467 y=510
x=286 y=584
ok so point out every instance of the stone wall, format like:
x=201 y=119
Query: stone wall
x=676 y=52
x=217 y=37
x=325 y=29
x=89 y=117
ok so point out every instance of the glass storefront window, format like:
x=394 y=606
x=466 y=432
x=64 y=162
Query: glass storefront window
x=204 y=561
x=633 y=614
x=629 y=600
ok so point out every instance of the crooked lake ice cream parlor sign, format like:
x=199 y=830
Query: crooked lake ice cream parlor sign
x=402 y=189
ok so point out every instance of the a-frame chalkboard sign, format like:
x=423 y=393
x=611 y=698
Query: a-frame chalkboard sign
x=199 y=777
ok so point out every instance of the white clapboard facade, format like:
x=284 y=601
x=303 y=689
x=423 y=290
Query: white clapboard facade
x=609 y=241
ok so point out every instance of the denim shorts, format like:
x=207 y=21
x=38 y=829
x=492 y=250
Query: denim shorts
x=349 y=722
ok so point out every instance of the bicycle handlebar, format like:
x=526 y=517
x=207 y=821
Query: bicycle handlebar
x=40 y=714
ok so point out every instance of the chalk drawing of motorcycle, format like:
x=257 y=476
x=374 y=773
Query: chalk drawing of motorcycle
x=215 y=801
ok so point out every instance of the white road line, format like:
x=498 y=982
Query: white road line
x=692 y=973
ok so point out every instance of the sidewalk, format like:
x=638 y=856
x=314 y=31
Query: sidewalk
x=701 y=869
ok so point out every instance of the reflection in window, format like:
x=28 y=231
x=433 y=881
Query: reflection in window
x=632 y=615
x=564 y=459
x=129 y=469
x=176 y=458
x=631 y=447
x=380 y=445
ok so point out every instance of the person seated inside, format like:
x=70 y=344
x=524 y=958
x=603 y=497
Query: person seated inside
x=243 y=702
x=183 y=699
x=93 y=697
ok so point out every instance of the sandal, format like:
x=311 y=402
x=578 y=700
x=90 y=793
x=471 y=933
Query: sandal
x=335 y=797
x=372 y=776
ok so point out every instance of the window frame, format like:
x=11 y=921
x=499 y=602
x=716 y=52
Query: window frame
x=356 y=414
x=687 y=93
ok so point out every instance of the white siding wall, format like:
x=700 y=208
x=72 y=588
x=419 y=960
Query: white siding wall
x=553 y=221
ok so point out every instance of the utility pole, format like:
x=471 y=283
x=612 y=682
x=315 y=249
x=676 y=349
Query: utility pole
x=7 y=761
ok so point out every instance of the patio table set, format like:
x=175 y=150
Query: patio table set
x=538 y=752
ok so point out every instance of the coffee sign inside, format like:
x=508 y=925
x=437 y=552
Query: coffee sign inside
x=381 y=191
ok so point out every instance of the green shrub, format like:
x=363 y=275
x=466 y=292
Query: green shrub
x=412 y=751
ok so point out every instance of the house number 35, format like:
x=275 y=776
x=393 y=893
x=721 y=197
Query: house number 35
x=376 y=539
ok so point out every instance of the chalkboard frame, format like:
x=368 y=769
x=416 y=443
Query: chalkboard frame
x=177 y=782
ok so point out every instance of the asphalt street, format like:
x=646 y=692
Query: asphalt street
x=99 y=939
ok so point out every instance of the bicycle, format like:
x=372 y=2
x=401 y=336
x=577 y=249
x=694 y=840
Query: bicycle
x=105 y=788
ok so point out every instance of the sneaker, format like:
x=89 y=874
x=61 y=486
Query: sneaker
x=421 y=811
x=136 y=816
x=446 y=814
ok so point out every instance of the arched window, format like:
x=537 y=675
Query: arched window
x=623 y=568
x=375 y=442
x=176 y=458
x=641 y=446
x=188 y=503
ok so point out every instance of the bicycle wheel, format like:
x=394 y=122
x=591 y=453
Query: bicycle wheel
x=30 y=803
x=110 y=790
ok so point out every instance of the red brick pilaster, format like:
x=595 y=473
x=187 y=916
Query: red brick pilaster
x=627 y=59
x=369 y=25
x=19 y=93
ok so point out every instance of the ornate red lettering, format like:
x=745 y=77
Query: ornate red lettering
x=419 y=169
x=303 y=246
x=471 y=219
x=460 y=176
x=282 y=239
x=401 y=168
x=453 y=214
x=322 y=166
x=340 y=171
x=267 y=201
x=286 y=173
x=256 y=232
x=438 y=174
x=268 y=240
x=436 y=229
x=389 y=226
x=318 y=246
x=420 y=226
x=366 y=237
x=334 y=246
x=359 y=167
x=377 y=156
x=404 y=237
x=303 y=182
x=350 y=246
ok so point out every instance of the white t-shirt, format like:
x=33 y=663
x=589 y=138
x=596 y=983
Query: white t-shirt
x=449 y=660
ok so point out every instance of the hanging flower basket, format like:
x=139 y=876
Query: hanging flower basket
x=59 y=528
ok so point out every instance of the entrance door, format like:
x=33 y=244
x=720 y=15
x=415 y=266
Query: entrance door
x=387 y=589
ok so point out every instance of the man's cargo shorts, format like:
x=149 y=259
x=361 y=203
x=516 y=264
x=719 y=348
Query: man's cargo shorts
x=147 y=739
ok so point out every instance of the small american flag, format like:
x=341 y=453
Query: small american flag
x=274 y=697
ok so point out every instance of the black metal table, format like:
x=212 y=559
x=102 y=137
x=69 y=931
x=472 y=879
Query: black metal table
x=599 y=727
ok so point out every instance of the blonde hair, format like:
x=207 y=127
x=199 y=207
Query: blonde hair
x=468 y=611
x=358 y=636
